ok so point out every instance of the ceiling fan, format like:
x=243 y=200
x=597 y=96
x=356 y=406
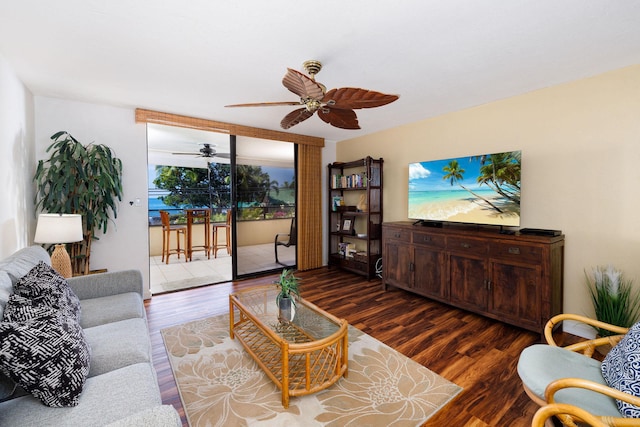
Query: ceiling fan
x=207 y=150
x=334 y=107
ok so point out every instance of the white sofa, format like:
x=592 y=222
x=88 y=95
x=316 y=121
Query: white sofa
x=121 y=387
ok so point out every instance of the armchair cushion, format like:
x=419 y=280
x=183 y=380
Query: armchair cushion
x=621 y=369
x=542 y=364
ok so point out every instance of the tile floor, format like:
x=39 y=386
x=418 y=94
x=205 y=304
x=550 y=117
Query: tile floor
x=179 y=274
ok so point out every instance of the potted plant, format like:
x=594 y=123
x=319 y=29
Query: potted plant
x=289 y=287
x=78 y=179
x=613 y=298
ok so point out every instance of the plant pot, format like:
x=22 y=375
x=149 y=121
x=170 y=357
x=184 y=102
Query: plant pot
x=286 y=309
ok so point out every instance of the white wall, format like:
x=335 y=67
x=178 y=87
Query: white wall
x=125 y=245
x=580 y=145
x=17 y=162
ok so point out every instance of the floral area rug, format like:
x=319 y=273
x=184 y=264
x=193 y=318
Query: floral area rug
x=221 y=385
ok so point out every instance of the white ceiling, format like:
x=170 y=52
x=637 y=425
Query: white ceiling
x=194 y=57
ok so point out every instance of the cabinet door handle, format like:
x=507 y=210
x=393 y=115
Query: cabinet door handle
x=514 y=250
x=488 y=284
x=465 y=245
x=396 y=235
x=411 y=266
x=426 y=238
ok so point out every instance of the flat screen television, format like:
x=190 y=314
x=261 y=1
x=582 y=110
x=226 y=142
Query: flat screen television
x=479 y=189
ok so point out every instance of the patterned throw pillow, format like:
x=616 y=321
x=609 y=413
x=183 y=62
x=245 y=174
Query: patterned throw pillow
x=21 y=309
x=621 y=369
x=49 y=357
x=42 y=347
x=46 y=286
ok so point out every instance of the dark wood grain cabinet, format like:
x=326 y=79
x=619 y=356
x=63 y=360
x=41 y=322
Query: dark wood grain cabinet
x=512 y=278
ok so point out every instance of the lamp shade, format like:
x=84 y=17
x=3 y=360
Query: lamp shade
x=59 y=228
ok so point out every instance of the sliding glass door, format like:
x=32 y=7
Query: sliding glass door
x=188 y=169
x=249 y=187
x=264 y=199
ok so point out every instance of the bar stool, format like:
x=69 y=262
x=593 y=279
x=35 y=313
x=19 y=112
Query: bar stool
x=216 y=230
x=167 y=228
x=198 y=216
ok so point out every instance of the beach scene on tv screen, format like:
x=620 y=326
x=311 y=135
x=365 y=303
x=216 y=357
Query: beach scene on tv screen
x=482 y=189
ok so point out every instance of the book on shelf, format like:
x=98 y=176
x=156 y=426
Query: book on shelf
x=354 y=180
x=351 y=250
x=347 y=250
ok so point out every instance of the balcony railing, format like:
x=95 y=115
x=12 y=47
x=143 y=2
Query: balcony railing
x=252 y=213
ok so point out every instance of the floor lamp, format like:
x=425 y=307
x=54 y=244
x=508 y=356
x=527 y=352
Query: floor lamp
x=59 y=229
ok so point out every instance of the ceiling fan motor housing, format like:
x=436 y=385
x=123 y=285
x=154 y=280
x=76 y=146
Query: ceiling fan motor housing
x=312 y=67
x=207 y=151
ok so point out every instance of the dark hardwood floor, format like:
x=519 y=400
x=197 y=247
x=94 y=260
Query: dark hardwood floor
x=474 y=352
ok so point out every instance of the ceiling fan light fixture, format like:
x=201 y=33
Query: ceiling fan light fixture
x=311 y=104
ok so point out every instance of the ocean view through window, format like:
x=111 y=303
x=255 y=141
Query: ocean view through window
x=270 y=192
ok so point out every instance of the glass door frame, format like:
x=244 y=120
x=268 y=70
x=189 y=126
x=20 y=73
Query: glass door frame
x=236 y=209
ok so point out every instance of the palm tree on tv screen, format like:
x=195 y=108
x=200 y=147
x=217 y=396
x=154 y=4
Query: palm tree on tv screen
x=455 y=173
x=501 y=173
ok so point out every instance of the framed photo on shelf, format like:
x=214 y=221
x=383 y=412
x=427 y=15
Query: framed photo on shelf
x=348 y=223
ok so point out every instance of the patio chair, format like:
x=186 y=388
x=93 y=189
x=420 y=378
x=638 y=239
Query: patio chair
x=291 y=241
x=571 y=375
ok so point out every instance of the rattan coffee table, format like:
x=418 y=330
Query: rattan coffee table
x=301 y=357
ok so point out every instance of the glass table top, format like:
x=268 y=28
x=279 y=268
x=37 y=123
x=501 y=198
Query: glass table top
x=309 y=323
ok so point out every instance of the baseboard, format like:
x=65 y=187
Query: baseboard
x=577 y=328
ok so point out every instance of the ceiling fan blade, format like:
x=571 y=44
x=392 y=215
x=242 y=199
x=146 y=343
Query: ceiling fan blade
x=354 y=98
x=295 y=117
x=340 y=118
x=302 y=85
x=186 y=154
x=265 y=104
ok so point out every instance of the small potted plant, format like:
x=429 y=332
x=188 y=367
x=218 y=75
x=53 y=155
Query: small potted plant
x=289 y=285
x=613 y=298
